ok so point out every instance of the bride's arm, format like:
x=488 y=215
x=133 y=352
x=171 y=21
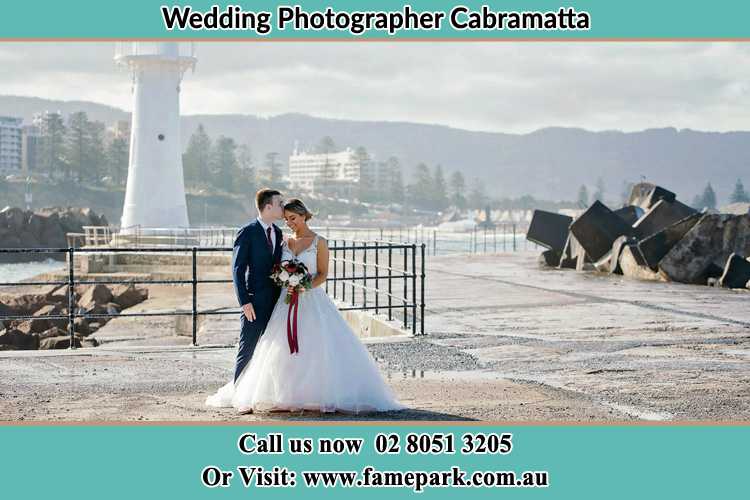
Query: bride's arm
x=322 y=275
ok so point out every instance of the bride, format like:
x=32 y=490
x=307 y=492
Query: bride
x=331 y=370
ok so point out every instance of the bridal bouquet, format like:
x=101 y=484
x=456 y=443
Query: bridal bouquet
x=291 y=273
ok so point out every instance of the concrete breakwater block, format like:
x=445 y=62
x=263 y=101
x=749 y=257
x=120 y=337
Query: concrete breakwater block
x=630 y=214
x=597 y=229
x=736 y=272
x=550 y=258
x=655 y=247
x=663 y=214
x=634 y=266
x=708 y=244
x=549 y=229
x=646 y=195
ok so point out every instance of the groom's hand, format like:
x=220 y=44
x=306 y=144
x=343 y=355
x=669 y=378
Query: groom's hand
x=249 y=311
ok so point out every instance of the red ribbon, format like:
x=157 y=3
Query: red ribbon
x=291 y=326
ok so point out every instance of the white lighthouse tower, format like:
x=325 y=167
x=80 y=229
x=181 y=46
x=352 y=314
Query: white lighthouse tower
x=155 y=193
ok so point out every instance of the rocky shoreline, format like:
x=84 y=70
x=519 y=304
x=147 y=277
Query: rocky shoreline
x=44 y=228
x=47 y=330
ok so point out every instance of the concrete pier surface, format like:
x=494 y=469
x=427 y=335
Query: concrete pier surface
x=507 y=340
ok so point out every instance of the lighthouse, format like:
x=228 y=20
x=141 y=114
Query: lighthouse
x=155 y=192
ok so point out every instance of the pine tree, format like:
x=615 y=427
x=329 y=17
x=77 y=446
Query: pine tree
x=95 y=165
x=583 y=197
x=224 y=167
x=457 y=189
x=739 y=195
x=599 y=193
x=275 y=179
x=709 y=197
x=477 y=196
x=117 y=160
x=421 y=191
x=52 y=146
x=195 y=160
x=439 y=189
x=366 y=175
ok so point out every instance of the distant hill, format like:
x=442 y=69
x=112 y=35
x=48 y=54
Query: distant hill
x=550 y=163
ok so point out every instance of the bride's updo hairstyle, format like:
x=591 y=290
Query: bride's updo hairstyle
x=296 y=206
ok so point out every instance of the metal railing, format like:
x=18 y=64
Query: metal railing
x=337 y=275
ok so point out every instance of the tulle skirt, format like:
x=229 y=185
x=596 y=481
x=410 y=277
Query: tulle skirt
x=333 y=370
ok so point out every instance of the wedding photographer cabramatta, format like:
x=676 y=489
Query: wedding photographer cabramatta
x=460 y=18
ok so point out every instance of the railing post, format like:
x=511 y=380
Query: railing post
x=354 y=268
x=406 y=297
x=364 y=274
x=71 y=296
x=377 y=277
x=335 y=269
x=476 y=241
x=514 y=236
x=434 y=242
x=505 y=237
x=494 y=239
x=343 y=271
x=485 y=239
x=421 y=305
x=195 y=296
x=390 y=281
x=414 y=289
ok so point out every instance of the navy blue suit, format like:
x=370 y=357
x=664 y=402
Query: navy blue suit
x=252 y=262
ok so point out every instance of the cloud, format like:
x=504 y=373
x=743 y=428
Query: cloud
x=504 y=86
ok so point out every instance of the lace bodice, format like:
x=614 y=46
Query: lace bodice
x=308 y=256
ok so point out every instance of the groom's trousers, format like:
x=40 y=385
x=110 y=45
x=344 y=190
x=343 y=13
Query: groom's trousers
x=250 y=333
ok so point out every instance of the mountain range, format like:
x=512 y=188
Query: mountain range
x=550 y=163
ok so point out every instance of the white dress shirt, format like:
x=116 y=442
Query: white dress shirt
x=265 y=232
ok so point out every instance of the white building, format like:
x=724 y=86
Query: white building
x=11 y=145
x=308 y=170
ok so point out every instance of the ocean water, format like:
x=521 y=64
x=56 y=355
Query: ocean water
x=26 y=270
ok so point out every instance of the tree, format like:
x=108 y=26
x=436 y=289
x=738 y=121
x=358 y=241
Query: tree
x=477 y=196
x=247 y=182
x=707 y=199
x=117 y=160
x=224 y=166
x=599 y=193
x=583 y=197
x=390 y=185
x=326 y=146
x=96 y=158
x=439 y=189
x=457 y=189
x=78 y=130
x=421 y=191
x=367 y=179
x=195 y=160
x=275 y=178
x=739 y=195
x=52 y=145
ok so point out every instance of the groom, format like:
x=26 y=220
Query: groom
x=257 y=248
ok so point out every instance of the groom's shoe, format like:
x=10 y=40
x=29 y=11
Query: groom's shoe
x=245 y=411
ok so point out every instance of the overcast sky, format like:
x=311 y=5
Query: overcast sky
x=505 y=87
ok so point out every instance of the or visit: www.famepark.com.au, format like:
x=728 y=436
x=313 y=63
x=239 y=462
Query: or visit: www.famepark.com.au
x=417 y=480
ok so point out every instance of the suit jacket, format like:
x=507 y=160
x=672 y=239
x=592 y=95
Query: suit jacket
x=252 y=263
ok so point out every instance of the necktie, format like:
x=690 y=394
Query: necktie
x=268 y=238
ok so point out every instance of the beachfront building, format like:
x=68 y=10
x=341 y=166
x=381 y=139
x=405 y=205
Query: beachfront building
x=329 y=173
x=30 y=149
x=10 y=145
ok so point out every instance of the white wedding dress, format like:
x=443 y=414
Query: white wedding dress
x=332 y=371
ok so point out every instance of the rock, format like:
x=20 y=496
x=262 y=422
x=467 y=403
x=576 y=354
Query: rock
x=549 y=230
x=629 y=214
x=634 y=266
x=646 y=195
x=33 y=326
x=710 y=242
x=95 y=295
x=617 y=247
x=61 y=342
x=660 y=216
x=127 y=296
x=113 y=308
x=51 y=310
x=573 y=253
x=19 y=340
x=23 y=305
x=597 y=228
x=52 y=332
x=81 y=325
x=656 y=246
x=89 y=342
x=736 y=272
